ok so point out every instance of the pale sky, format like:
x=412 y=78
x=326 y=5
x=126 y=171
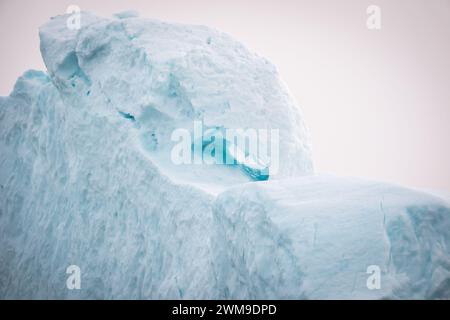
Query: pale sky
x=377 y=102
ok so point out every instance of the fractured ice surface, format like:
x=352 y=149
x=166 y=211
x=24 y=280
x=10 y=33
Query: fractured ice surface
x=86 y=179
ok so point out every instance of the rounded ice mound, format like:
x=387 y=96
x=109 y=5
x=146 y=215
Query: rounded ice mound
x=163 y=76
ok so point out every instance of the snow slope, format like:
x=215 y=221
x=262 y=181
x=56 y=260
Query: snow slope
x=86 y=179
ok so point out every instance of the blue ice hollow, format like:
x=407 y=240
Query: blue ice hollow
x=232 y=155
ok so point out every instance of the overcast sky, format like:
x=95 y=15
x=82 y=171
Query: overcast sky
x=377 y=102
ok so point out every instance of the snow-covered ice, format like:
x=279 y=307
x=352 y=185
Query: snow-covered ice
x=325 y=232
x=86 y=179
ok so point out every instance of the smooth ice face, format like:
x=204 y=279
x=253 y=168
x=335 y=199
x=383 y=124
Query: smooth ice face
x=326 y=235
x=165 y=76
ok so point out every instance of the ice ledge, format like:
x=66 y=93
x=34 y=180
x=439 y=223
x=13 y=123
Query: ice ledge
x=316 y=237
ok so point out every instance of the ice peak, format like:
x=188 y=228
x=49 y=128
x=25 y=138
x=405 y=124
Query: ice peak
x=177 y=73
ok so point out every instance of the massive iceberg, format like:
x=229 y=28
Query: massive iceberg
x=86 y=179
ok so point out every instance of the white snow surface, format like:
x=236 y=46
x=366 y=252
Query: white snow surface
x=80 y=184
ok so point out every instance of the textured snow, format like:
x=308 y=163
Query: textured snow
x=168 y=75
x=86 y=179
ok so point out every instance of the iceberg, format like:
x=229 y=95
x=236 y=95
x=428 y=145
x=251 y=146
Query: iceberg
x=86 y=179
